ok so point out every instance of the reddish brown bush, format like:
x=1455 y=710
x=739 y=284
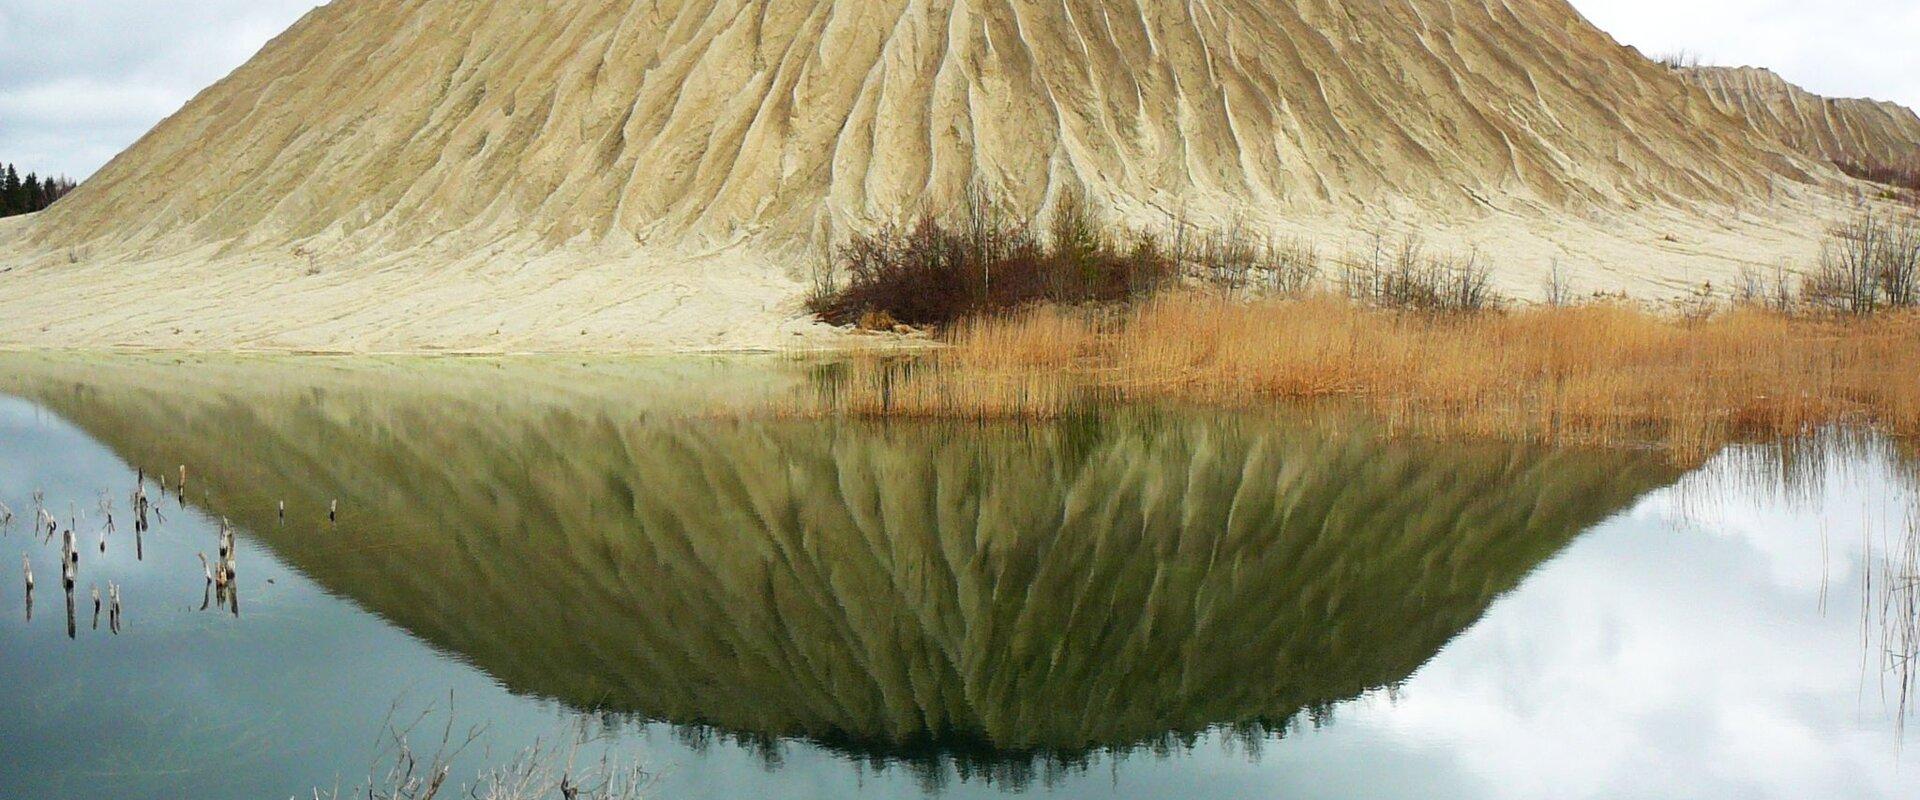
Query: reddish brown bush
x=936 y=273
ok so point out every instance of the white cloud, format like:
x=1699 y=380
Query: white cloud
x=82 y=79
x=1840 y=48
x=1681 y=650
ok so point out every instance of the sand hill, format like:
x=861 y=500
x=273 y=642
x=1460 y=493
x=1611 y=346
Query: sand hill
x=1867 y=133
x=532 y=175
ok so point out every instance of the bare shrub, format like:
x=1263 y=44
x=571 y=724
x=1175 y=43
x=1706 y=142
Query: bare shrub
x=1770 y=291
x=1684 y=59
x=823 y=280
x=1466 y=283
x=1751 y=290
x=1699 y=305
x=1558 y=289
x=935 y=274
x=1899 y=262
x=1239 y=263
x=544 y=771
x=1228 y=258
x=1296 y=266
x=1867 y=264
x=1408 y=278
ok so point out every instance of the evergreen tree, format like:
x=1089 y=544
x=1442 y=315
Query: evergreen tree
x=33 y=193
x=10 y=202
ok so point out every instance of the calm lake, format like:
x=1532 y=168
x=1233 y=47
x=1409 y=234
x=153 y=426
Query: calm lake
x=1135 y=604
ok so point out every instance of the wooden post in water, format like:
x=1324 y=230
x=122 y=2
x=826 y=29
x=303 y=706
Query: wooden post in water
x=227 y=555
x=26 y=563
x=69 y=561
x=96 y=607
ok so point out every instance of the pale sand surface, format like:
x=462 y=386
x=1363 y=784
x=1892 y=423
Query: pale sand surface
x=501 y=300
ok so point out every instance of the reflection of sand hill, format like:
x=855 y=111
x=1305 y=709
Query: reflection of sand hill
x=892 y=589
x=1865 y=132
x=592 y=174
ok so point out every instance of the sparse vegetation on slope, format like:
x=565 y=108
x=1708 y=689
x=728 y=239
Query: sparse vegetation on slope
x=1905 y=178
x=989 y=263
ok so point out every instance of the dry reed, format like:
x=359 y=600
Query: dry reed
x=1589 y=374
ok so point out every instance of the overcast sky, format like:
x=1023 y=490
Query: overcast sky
x=82 y=79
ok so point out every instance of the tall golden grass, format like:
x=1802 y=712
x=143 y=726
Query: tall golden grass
x=1593 y=374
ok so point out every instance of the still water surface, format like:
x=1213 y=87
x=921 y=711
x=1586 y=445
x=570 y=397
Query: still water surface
x=1139 y=604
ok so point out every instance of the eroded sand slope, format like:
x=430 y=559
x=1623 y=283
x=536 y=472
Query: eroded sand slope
x=604 y=174
x=1868 y=133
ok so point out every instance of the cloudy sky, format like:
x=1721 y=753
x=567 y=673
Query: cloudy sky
x=82 y=79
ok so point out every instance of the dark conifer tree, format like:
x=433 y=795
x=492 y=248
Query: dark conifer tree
x=33 y=193
x=10 y=203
